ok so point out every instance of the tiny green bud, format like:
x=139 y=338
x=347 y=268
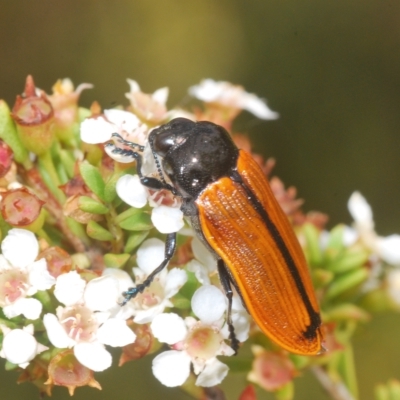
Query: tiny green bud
x=90 y=205
x=96 y=231
x=93 y=179
x=138 y=222
x=115 y=260
x=134 y=240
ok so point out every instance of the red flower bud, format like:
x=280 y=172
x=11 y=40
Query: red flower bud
x=20 y=208
x=6 y=158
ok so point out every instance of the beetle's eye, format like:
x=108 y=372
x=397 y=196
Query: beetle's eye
x=162 y=142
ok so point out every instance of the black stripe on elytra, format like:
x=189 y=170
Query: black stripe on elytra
x=310 y=332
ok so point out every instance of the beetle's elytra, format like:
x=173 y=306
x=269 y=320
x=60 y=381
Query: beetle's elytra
x=234 y=212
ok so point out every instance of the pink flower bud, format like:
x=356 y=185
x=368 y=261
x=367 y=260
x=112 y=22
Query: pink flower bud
x=58 y=260
x=65 y=370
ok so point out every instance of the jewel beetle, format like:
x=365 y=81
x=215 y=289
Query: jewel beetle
x=232 y=209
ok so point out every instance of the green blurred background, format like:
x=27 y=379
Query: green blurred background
x=330 y=68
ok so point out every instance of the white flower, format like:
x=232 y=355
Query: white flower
x=21 y=276
x=86 y=323
x=387 y=248
x=193 y=342
x=20 y=346
x=231 y=96
x=100 y=129
x=204 y=264
x=166 y=284
x=150 y=107
x=166 y=219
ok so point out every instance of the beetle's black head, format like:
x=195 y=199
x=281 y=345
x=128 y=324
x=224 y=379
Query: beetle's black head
x=194 y=154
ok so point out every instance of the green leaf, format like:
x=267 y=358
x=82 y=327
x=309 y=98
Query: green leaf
x=180 y=302
x=346 y=282
x=347 y=311
x=335 y=244
x=110 y=191
x=8 y=133
x=313 y=248
x=115 y=260
x=351 y=258
x=127 y=213
x=286 y=392
x=190 y=286
x=92 y=177
x=134 y=240
x=92 y=206
x=137 y=222
x=96 y=231
x=239 y=363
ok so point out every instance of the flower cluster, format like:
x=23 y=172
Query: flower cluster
x=78 y=230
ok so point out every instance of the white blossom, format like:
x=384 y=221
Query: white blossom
x=156 y=297
x=166 y=219
x=387 y=248
x=87 y=323
x=20 y=346
x=150 y=107
x=100 y=129
x=204 y=264
x=172 y=367
x=231 y=96
x=21 y=276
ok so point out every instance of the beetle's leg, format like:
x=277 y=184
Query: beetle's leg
x=170 y=246
x=226 y=284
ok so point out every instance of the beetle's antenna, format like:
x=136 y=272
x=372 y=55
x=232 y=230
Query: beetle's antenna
x=157 y=161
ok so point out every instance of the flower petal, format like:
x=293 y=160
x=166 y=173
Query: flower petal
x=199 y=270
x=389 y=249
x=69 y=288
x=114 y=332
x=56 y=333
x=360 y=210
x=101 y=294
x=131 y=191
x=16 y=240
x=150 y=255
x=167 y=219
x=213 y=374
x=19 y=347
x=96 y=130
x=168 y=328
x=257 y=107
x=29 y=308
x=202 y=254
x=208 y=303
x=93 y=356
x=124 y=120
x=39 y=276
x=171 y=368
x=161 y=95
x=175 y=279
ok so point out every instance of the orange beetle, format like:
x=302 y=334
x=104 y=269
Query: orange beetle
x=234 y=212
